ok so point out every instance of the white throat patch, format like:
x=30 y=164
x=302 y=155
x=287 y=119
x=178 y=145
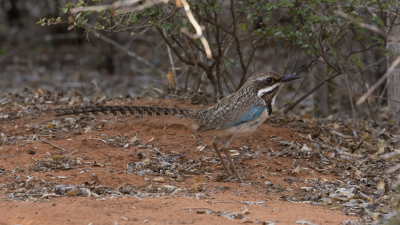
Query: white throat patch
x=261 y=92
x=273 y=101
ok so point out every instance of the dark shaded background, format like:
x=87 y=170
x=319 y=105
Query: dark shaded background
x=57 y=60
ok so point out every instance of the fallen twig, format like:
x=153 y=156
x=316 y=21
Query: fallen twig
x=190 y=208
x=304 y=222
x=155 y=149
x=99 y=140
x=55 y=146
x=283 y=151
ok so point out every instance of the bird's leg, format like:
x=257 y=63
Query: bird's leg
x=215 y=145
x=225 y=148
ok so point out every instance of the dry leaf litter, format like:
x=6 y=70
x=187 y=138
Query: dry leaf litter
x=364 y=157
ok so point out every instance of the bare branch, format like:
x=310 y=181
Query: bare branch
x=131 y=54
x=238 y=49
x=144 y=26
x=361 y=24
x=171 y=60
x=379 y=82
x=330 y=77
x=197 y=66
x=183 y=59
x=196 y=25
x=117 y=5
x=353 y=92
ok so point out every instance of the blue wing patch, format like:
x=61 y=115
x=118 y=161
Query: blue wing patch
x=252 y=114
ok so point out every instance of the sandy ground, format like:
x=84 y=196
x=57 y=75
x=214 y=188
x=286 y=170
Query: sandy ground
x=254 y=201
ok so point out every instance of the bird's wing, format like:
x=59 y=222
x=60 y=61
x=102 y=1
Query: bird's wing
x=222 y=115
x=253 y=113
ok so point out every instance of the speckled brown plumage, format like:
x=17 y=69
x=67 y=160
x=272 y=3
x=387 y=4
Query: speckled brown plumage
x=226 y=111
x=236 y=115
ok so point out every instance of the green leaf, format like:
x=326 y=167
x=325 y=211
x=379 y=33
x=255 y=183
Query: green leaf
x=278 y=33
x=3 y=50
x=287 y=29
x=266 y=19
x=378 y=21
x=133 y=18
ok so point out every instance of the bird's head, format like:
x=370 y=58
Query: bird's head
x=266 y=85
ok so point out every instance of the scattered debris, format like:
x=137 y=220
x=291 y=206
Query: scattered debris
x=364 y=158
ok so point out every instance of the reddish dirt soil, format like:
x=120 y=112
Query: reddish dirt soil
x=226 y=197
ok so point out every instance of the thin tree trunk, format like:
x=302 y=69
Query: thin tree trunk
x=320 y=96
x=218 y=73
x=394 y=78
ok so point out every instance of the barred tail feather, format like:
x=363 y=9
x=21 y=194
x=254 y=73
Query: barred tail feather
x=125 y=110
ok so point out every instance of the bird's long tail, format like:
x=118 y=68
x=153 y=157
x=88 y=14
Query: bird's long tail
x=124 y=110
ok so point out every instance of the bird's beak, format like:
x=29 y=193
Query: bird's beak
x=287 y=78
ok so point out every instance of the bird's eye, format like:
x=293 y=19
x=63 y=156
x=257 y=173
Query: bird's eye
x=269 y=80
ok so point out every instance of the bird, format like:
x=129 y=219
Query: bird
x=236 y=115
